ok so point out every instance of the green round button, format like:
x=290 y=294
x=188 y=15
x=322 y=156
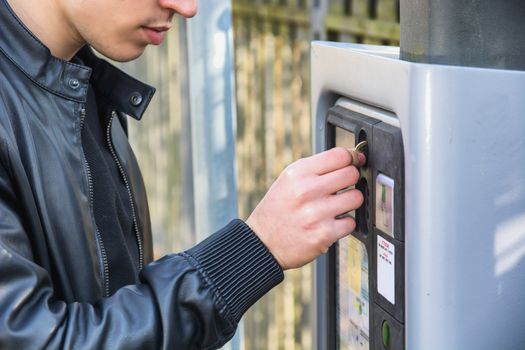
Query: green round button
x=385 y=332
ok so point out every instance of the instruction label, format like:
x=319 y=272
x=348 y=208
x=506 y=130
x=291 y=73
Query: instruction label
x=353 y=304
x=386 y=258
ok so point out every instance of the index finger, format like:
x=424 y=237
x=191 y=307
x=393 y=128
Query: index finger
x=334 y=159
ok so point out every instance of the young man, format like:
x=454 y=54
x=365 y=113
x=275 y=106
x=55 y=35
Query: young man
x=75 y=240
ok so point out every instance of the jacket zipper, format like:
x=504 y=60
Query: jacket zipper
x=105 y=265
x=128 y=188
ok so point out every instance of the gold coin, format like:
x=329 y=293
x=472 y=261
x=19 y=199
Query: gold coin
x=361 y=147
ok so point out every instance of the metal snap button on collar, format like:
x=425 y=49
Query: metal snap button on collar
x=135 y=99
x=74 y=83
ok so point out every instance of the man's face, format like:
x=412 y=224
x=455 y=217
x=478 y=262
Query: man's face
x=121 y=29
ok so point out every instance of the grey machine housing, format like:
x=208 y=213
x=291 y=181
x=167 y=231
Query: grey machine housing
x=463 y=132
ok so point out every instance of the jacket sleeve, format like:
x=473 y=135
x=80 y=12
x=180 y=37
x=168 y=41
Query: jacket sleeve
x=191 y=300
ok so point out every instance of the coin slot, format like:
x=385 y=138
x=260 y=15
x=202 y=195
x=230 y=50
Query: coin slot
x=361 y=215
x=362 y=136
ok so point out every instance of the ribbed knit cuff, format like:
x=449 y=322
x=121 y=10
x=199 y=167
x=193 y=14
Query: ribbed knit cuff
x=239 y=265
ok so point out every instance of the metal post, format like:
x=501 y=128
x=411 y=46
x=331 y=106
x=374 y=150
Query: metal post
x=211 y=107
x=184 y=148
x=211 y=102
x=478 y=33
x=318 y=12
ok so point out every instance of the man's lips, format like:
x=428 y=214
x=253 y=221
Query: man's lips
x=155 y=35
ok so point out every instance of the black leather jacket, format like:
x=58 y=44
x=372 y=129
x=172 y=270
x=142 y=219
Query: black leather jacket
x=53 y=273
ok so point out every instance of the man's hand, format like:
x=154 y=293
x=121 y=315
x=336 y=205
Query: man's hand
x=296 y=218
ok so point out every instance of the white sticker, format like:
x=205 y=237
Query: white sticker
x=386 y=262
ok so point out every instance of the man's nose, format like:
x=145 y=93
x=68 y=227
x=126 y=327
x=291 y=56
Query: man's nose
x=185 y=8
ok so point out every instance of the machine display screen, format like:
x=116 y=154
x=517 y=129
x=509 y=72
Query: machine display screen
x=352 y=305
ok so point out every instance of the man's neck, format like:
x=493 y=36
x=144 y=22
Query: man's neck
x=46 y=20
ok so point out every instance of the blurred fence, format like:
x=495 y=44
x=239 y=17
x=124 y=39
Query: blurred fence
x=271 y=53
x=272 y=70
x=272 y=42
x=363 y=21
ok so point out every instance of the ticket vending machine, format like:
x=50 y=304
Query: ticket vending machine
x=437 y=260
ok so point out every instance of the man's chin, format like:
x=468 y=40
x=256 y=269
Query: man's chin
x=123 y=55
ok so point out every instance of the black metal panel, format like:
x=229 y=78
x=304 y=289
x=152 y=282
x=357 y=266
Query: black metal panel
x=385 y=156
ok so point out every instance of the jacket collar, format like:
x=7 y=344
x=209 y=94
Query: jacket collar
x=67 y=79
